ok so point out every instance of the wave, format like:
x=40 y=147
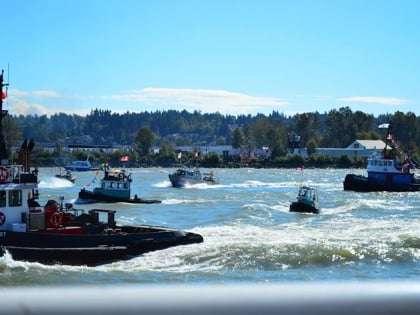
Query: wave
x=245 y=249
x=54 y=182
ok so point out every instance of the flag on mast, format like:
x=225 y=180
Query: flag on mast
x=383 y=126
x=125 y=158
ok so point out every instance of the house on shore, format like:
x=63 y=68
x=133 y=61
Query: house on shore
x=362 y=148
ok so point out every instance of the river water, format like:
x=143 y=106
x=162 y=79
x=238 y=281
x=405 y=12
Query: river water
x=249 y=234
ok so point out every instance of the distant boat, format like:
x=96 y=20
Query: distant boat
x=115 y=186
x=385 y=172
x=186 y=176
x=306 y=201
x=67 y=175
x=80 y=166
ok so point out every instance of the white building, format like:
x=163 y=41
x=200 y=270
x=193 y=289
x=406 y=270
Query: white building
x=363 y=148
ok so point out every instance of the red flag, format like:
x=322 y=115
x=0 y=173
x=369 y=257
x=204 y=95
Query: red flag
x=3 y=95
x=125 y=158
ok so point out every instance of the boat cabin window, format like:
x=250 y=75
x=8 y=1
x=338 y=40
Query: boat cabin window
x=2 y=199
x=15 y=198
x=381 y=162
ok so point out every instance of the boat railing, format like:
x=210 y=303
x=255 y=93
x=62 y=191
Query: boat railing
x=68 y=207
x=14 y=173
x=110 y=217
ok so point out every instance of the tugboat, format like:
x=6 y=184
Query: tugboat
x=57 y=233
x=115 y=186
x=67 y=175
x=185 y=176
x=306 y=201
x=385 y=172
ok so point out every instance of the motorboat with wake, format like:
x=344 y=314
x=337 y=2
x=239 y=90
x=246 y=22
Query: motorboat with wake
x=306 y=201
x=59 y=233
x=67 y=175
x=115 y=186
x=186 y=176
x=385 y=172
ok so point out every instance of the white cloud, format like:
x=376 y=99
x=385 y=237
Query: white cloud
x=45 y=102
x=376 y=100
x=39 y=93
x=203 y=100
x=22 y=107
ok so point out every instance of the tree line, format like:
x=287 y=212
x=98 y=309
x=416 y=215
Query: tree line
x=168 y=129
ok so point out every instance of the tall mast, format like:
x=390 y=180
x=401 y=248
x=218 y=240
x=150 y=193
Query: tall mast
x=3 y=151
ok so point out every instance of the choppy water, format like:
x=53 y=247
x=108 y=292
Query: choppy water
x=249 y=234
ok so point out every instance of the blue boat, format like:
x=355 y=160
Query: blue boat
x=385 y=171
x=80 y=166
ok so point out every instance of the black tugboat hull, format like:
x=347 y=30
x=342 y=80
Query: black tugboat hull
x=86 y=196
x=302 y=208
x=91 y=249
x=363 y=184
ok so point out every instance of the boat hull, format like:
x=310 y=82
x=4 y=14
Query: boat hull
x=181 y=181
x=66 y=177
x=91 y=249
x=87 y=196
x=364 y=184
x=302 y=208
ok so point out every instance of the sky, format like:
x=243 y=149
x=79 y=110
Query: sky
x=229 y=56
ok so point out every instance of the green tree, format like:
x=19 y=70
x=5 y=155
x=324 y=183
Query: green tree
x=237 y=139
x=275 y=139
x=307 y=126
x=144 y=140
x=343 y=125
x=311 y=146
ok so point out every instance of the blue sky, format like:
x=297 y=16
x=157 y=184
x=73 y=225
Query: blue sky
x=231 y=56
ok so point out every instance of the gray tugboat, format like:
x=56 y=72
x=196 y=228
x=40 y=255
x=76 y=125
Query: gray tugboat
x=186 y=176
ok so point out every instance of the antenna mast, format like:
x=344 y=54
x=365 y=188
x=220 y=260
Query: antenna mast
x=4 y=159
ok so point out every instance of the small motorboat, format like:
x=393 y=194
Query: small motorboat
x=115 y=186
x=186 y=176
x=306 y=201
x=67 y=175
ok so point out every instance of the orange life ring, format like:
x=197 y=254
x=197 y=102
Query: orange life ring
x=55 y=220
x=4 y=174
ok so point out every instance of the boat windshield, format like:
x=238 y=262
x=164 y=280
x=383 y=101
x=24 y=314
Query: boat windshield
x=307 y=193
